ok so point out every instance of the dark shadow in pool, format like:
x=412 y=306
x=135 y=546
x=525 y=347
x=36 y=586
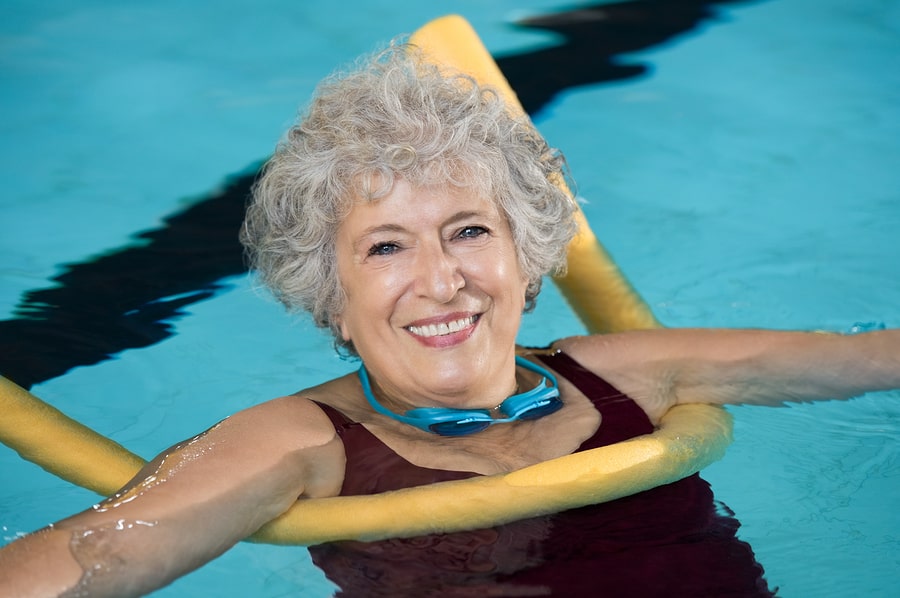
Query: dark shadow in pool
x=596 y=39
x=127 y=298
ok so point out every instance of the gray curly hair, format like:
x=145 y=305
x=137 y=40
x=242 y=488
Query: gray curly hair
x=393 y=116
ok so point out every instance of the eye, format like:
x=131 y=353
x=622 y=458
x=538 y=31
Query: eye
x=385 y=248
x=471 y=232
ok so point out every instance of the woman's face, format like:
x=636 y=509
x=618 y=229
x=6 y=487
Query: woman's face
x=434 y=295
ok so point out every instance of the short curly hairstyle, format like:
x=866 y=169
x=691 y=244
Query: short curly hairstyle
x=395 y=115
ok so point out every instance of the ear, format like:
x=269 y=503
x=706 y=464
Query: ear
x=345 y=330
x=527 y=284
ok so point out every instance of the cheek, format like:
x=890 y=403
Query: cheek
x=506 y=276
x=517 y=278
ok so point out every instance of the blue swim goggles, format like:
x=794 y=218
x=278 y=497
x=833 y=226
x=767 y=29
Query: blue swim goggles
x=536 y=403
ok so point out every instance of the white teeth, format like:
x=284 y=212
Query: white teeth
x=442 y=328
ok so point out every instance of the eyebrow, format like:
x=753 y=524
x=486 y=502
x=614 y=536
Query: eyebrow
x=397 y=228
x=376 y=230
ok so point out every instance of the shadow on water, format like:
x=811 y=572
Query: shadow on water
x=595 y=42
x=127 y=298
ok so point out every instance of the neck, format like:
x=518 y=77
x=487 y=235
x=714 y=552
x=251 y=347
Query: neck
x=446 y=391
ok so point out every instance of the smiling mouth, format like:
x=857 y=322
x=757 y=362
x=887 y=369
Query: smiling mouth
x=442 y=329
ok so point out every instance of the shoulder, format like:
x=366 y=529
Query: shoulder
x=294 y=421
x=289 y=434
x=627 y=361
x=595 y=351
x=286 y=427
x=302 y=410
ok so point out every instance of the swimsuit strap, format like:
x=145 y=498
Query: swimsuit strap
x=622 y=417
x=341 y=422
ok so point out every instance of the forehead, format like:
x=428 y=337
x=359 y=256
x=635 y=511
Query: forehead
x=407 y=201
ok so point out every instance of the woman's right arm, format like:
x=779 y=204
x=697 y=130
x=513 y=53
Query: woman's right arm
x=184 y=508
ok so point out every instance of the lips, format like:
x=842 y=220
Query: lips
x=442 y=328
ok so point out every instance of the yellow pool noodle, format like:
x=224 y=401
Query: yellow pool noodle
x=689 y=438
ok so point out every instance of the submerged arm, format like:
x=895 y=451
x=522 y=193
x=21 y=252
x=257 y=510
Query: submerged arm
x=661 y=368
x=184 y=508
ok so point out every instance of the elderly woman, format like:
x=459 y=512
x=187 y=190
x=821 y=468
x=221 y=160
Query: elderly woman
x=409 y=213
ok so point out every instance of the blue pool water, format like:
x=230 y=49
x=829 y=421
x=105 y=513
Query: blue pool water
x=749 y=177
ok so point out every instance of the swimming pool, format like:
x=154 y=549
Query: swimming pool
x=747 y=178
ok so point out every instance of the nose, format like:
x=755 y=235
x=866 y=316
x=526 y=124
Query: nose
x=438 y=274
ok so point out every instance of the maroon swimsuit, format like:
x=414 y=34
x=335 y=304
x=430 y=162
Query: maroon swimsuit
x=674 y=540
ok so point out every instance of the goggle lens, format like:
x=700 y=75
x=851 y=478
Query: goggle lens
x=459 y=428
x=464 y=427
x=551 y=405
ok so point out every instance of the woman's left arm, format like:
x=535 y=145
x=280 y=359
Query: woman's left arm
x=663 y=367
